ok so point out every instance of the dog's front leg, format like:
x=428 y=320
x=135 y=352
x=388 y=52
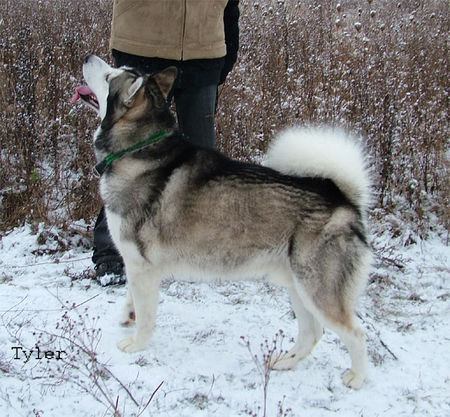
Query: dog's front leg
x=144 y=286
x=128 y=317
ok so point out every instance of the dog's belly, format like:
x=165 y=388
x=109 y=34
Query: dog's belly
x=251 y=270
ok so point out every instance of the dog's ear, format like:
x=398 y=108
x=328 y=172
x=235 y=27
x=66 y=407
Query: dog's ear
x=132 y=91
x=165 y=80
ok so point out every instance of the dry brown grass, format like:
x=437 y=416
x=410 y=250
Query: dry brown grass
x=46 y=158
x=378 y=68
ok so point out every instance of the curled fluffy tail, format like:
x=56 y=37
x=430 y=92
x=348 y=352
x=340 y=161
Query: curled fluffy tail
x=325 y=153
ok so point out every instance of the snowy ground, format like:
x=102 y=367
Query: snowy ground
x=197 y=350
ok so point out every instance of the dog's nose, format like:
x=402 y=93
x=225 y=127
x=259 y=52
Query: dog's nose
x=87 y=58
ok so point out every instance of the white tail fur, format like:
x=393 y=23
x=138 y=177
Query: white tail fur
x=325 y=153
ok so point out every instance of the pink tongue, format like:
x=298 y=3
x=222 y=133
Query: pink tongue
x=81 y=90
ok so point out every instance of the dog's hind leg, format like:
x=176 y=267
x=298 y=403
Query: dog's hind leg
x=309 y=333
x=329 y=278
x=144 y=287
x=354 y=338
x=340 y=318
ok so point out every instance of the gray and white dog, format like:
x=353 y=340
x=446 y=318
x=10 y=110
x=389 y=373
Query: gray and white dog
x=178 y=210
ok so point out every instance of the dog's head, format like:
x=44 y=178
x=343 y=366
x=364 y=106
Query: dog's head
x=124 y=93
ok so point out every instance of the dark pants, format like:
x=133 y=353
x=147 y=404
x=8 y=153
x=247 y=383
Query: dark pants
x=195 y=112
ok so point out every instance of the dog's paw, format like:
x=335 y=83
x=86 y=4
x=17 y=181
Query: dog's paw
x=352 y=379
x=128 y=319
x=129 y=345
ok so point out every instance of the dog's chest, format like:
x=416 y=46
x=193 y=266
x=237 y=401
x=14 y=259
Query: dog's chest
x=117 y=227
x=129 y=186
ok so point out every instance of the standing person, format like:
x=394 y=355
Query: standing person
x=201 y=39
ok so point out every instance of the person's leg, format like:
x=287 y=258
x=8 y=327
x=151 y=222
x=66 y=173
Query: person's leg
x=195 y=113
x=106 y=257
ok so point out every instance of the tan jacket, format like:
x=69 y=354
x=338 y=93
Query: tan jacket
x=170 y=29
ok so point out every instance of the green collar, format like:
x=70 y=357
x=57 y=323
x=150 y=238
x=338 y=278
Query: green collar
x=100 y=168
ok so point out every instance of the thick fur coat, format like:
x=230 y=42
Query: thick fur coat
x=177 y=210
